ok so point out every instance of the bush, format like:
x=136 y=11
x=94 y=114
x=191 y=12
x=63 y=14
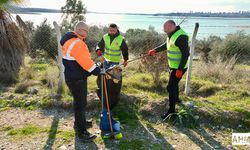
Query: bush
x=236 y=44
x=44 y=38
x=206 y=46
x=95 y=35
x=139 y=42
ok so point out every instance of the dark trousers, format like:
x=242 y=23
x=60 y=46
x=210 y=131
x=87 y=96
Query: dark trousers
x=78 y=89
x=113 y=90
x=173 y=89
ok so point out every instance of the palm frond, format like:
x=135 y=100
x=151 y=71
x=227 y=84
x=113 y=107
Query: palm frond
x=12 y=47
x=7 y=4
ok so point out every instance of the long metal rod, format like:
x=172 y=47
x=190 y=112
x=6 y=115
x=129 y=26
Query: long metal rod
x=107 y=103
x=102 y=76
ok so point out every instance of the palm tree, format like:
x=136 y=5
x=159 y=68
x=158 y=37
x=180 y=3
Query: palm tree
x=13 y=43
x=205 y=46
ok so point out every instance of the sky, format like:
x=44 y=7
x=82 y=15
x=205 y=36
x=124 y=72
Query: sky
x=150 y=6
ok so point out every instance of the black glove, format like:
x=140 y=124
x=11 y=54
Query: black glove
x=96 y=71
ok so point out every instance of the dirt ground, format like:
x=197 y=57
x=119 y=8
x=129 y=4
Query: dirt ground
x=62 y=120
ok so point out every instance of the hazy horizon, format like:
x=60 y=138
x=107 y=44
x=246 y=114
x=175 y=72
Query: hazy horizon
x=149 y=7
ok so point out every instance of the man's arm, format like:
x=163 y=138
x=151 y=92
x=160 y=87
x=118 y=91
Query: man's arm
x=124 y=49
x=162 y=47
x=82 y=56
x=182 y=43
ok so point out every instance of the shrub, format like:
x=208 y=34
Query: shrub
x=236 y=44
x=44 y=39
x=205 y=46
x=139 y=41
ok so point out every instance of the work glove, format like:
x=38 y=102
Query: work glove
x=99 y=52
x=178 y=73
x=96 y=71
x=151 y=52
x=125 y=63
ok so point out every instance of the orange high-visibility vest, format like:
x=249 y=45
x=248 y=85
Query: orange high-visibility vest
x=75 y=49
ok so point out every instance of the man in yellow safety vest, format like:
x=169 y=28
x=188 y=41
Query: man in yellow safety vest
x=112 y=46
x=177 y=54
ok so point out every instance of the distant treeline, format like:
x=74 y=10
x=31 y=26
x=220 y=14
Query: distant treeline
x=244 y=14
x=241 y=14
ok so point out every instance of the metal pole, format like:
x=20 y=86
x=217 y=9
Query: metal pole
x=59 y=58
x=187 y=85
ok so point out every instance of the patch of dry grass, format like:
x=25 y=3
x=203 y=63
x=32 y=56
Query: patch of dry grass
x=23 y=86
x=220 y=72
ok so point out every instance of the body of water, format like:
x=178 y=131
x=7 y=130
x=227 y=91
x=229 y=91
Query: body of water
x=208 y=25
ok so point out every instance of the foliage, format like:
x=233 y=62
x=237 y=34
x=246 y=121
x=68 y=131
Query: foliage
x=95 y=35
x=205 y=46
x=184 y=117
x=73 y=11
x=30 y=26
x=139 y=41
x=13 y=46
x=237 y=45
x=44 y=39
x=4 y=3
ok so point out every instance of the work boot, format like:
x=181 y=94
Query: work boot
x=178 y=101
x=165 y=115
x=88 y=124
x=85 y=136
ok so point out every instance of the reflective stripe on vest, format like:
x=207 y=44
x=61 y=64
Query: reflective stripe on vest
x=112 y=50
x=111 y=54
x=92 y=68
x=173 y=52
x=71 y=46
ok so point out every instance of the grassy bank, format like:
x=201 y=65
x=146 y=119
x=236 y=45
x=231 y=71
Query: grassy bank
x=219 y=108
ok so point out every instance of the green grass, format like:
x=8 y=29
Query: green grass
x=5 y=128
x=66 y=136
x=26 y=131
x=141 y=83
x=134 y=144
x=33 y=130
x=216 y=101
x=39 y=67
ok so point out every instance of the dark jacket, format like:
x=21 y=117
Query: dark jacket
x=123 y=47
x=73 y=71
x=182 y=43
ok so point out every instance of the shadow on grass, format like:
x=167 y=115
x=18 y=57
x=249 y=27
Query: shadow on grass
x=201 y=138
x=52 y=134
x=213 y=121
x=4 y=87
x=227 y=119
x=63 y=136
x=196 y=134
